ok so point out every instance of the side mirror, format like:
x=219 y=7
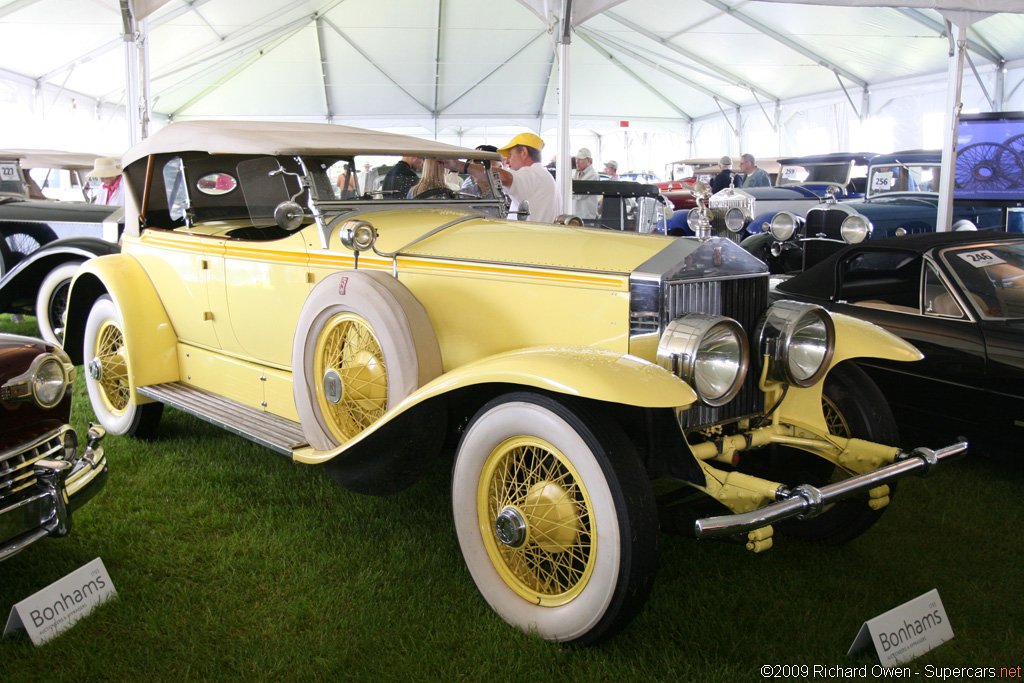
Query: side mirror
x=523 y=212
x=288 y=215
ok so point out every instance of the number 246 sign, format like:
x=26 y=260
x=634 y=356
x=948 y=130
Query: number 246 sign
x=982 y=258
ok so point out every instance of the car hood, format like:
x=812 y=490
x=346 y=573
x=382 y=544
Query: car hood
x=472 y=237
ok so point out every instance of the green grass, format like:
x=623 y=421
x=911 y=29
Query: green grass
x=232 y=563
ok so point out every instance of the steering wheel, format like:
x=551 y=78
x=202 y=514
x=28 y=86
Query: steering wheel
x=436 y=192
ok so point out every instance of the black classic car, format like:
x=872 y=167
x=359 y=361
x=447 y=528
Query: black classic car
x=902 y=198
x=44 y=475
x=959 y=298
x=44 y=242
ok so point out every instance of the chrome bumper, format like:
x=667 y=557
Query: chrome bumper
x=60 y=487
x=807 y=501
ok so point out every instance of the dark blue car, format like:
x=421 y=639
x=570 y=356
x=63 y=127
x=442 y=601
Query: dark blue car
x=902 y=197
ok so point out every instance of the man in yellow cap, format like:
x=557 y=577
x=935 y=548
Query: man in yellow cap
x=526 y=178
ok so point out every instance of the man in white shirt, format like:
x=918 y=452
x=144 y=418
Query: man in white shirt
x=585 y=206
x=527 y=179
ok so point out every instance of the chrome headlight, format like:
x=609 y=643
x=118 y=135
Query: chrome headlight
x=709 y=352
x=49 y=382
x=735 y=220
x=783 y=226
x=358 y=235
x=855 y=229
x=798 y=340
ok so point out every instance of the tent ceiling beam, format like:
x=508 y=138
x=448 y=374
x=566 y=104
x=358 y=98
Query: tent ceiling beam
x=374 y=64
x=547 y=81
x=274 y=38
x=729 y=76
x=940 y=28
x=585 y=35
x=119 y=42
x=981 y=83
x=437 y=60
x=604 y=40
x=324 y=68
x=13 y=7
x=501 y=64
x=788 y=42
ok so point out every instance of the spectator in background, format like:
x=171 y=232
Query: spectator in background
x=753 y=176
x=469 y=185
x=402 y=177
x=612 y=169
x=725 y=177
x=108 y=170
x=585 y=206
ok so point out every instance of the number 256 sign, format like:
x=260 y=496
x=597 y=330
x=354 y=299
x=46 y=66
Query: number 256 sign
x=982 y=258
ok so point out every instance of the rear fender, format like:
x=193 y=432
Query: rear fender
x=150 y=340
x=596 y=374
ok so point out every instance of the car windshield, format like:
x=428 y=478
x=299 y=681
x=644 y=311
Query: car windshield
x=230 y=187
x=900 y=177
x=839 y=173
x=993 y=276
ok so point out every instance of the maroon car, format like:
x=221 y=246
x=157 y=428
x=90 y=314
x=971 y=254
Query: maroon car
x=44 y=476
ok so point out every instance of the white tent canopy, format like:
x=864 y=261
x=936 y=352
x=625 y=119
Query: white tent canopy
x=691 y=77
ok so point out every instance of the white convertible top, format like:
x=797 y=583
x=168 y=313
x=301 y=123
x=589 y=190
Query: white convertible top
x=278 y=137
x=51 y=158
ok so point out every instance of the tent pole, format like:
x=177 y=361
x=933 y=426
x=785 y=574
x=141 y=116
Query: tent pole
x=953 y=104
x=562 y=169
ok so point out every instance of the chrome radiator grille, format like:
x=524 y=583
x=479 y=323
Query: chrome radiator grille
x=16 y=466
x=827 y=222
x=742 y=299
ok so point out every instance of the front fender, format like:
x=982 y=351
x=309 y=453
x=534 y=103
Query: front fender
x=585 y=372
x=150 y=340
x=855 y=338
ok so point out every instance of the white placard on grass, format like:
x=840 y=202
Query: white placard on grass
x=57 y=607
x=907 y=631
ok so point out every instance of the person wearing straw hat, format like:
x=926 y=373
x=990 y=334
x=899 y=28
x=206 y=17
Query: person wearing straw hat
x=108 y=170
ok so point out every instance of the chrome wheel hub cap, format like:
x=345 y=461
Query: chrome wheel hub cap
x=510 y=527
x=332 y=386
x=95 y=369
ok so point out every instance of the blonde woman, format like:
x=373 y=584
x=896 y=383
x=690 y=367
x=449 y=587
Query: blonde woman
x=432 y=183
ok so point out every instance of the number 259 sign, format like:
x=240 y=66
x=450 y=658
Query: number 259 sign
x=981 y=258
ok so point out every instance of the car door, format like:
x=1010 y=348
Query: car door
x=950 y=380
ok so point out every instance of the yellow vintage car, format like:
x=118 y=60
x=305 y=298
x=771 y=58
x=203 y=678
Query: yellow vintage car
x=275 y=279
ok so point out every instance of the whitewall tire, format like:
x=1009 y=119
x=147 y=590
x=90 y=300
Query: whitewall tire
x=52 y=301
x=555 y=517
x=108 y=373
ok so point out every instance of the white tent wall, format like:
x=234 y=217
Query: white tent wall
x=472 y=72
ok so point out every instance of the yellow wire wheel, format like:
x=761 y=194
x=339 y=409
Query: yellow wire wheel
x=350 y=375
x=536 y=521
x=113 y=368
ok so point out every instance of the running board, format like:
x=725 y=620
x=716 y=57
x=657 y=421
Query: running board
x=274 y=432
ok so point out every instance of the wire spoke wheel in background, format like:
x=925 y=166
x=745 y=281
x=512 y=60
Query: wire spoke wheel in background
x=987 y=167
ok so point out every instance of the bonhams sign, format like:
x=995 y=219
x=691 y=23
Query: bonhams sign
x=45 y=614
x=906 y=632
